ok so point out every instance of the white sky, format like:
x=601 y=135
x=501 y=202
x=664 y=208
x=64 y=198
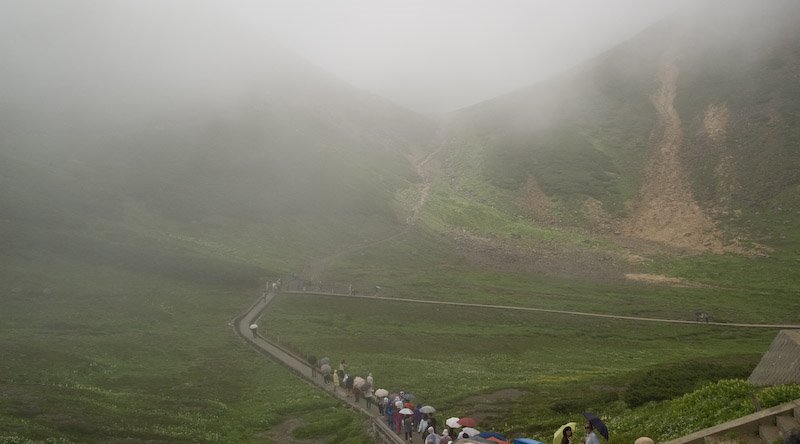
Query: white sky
x=427 y=55
x=439 y=55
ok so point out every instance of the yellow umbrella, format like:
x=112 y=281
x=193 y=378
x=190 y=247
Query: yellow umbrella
x=560 y=432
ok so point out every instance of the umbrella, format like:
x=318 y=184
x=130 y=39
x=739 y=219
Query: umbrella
x=409 y=405
x=409 y=396
x=492 y=435
x=406 y=411
x=597 y=424
x=496 y=440
x=326 y=369
x=325 y=360
x=427 y=409
x=253 y=326
x=560 y=432
x=453 y=423
x=381 y=392
x=358 y=381
x=471 y=432
x=527 y=441
x=366 y=387
x=468 y=422
x=398 y=404
x=474 y=440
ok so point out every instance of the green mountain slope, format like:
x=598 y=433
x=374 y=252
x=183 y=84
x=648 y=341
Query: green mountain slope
x=595 y=146
x=206 y=142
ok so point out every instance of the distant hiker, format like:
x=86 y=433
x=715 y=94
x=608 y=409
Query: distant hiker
x=445 y=438
x=382 y=405
x=388 y=410
x=369 y=397
x=432 y=421
x=312 y=361
x=408 y=425
x=398 y=421
x=370 y=380
x=350 y=289
x=342 y=366
x=348 y=383
x=591 y=437
x=566 y=435
x=254 y=329
x=336 y=380
x=417 y=415
x=431 y=437
x=422 y=425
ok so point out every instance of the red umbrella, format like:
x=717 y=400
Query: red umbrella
x=468 y=422
x=409 y=405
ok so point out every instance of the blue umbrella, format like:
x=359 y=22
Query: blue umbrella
x=526 y=441
x=492 y=435
x=597 y=424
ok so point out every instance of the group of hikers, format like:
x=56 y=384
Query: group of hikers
x=410 y=419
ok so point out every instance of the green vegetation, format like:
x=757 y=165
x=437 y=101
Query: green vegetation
x=125 y=255
x=708 y=406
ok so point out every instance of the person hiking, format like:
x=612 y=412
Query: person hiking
x=591 y=437
x=408 y=426
x=566 y=435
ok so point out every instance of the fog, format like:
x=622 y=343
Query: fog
x=435 y=56
x=424 y=55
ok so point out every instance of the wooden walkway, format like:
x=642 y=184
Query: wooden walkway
x=241 y=324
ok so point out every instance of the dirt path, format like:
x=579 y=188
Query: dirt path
x=667 y=212
x=241 y=325
x=547 y=310
x=314 y=269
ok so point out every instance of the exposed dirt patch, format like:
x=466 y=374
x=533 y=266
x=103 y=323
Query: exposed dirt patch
x=282 y=433
x=715 y=121
x=667 y=211
x=535 y=200
x=493 y=404
x=501 y=255
x=593 y=209
x=659 y=279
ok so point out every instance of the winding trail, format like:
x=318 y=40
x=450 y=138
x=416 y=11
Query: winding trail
x=554 y=311
x=378 y=428
x=313 y=270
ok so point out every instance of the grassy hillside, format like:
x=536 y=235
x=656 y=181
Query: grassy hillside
x=139 y=210
x=141 y=206
x=589 y=135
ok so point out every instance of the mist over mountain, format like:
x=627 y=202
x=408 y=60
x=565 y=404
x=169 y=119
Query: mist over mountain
x=671 y=136
x=190 y=115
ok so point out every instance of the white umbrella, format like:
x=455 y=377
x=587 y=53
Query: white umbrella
x=253 y=326
x=381 y=392
x=406 y=412
x=453 y=423
x=471 y=432
x=427 y=409
x=358 y=382
x=398 y=404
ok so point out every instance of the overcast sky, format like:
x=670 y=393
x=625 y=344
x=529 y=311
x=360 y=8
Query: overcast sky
x=427 y=55
x=439 y=55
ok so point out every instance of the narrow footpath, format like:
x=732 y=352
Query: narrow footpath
x=378 y=428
